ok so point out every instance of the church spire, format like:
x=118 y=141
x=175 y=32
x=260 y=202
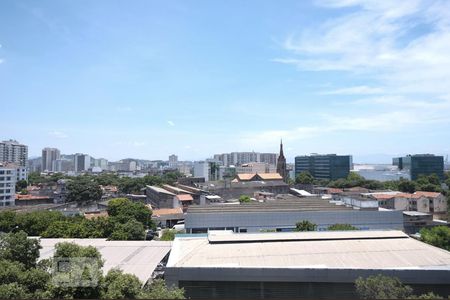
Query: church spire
x=281 y=148
x=281 y=163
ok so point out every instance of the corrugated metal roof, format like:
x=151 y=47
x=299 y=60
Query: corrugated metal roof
x=139 y=258
x=376 y=253
x=159 y=190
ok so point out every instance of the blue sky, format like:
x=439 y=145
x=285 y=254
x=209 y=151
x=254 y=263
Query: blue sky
x=145 y=79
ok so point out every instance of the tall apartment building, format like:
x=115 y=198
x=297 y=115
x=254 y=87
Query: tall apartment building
x=7 y=186
x=268 y=158
x=63 y=165
x=82 y=162
x=49 y=156
x=12 y=151
x=224 y=158
x=330 y=166
x=173 y=160
x=421 y=164
x=201 y=169
x=240 y=158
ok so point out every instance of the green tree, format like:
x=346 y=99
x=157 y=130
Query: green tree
x=18 y=247
x=304 y=178
x=438 y=236
x=245 y=199
x=21 y=184
x=305 y=225
x=407 y=186
x=382 y=287
x=83 y=189
x=77 y=269
x=62 y=229
x=131 y=185
x=7 y=221
x=34 y=223
x=429 y=183
x=123 y=210
x=130 y=231
x=429 y=295
x=13 y=291
x=168 y=235
x=159 y=290
x=342 y=227
x=117 y=285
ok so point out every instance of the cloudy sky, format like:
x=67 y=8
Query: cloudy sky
x=145 y=79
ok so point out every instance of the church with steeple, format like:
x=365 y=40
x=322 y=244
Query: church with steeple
x=281 y=164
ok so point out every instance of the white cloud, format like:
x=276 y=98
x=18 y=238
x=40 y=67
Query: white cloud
x=355 y=90
x=380 y=39
x=58 y=134
x=391 y=121
x=171 y=123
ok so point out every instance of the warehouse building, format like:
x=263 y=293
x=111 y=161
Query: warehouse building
x=302 y=265
x=282 y=215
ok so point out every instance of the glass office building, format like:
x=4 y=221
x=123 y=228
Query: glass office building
x=421 y=164
x=329 y=166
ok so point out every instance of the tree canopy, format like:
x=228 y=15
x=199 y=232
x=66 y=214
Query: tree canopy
x=82 y=189
x=21 y=277
x=304 y=178
x=305 y=225
x=382 y=287
x=341 y=227
x=438 y=236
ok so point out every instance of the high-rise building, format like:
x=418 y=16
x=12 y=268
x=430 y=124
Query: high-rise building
x=49 y=156
x=281 y=164
x=12 y=151
x=63 y=165
x=201 y=169
x=82 y=162
x=173 y=160
x=268 y=158
x=102 y=163
x=8 y=179
x=330 y=166
x=239 y=158
x=421 y=164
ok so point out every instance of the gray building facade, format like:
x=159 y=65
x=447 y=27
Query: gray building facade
x=245 y=218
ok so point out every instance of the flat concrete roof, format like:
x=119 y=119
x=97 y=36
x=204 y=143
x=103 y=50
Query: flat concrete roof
x=139 y=258
x=229 y=237
x=370 y=250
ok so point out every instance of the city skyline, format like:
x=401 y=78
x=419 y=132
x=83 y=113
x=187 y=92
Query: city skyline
x=199 y=78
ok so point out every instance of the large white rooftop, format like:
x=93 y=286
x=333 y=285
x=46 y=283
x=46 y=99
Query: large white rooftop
x=306 y=250
x=139 y=258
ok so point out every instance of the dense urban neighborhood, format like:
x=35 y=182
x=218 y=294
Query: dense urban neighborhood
x=225 y=150
x=156 y=212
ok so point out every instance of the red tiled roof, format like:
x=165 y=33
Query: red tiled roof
x=270 y=176
x=245 y=176
x=426 y=194
x=167 y=211
x=31 y=197
x=184 y=197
